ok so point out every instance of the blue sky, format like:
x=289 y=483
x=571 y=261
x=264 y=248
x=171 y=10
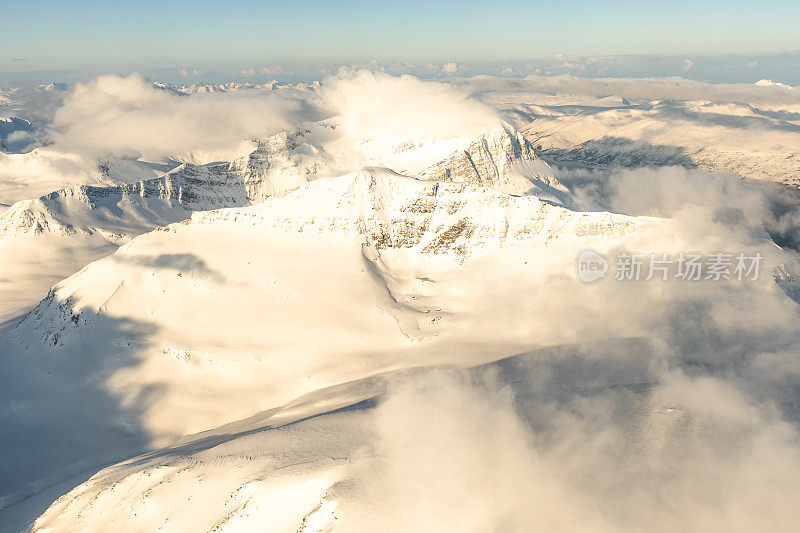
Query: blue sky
x=92 y=34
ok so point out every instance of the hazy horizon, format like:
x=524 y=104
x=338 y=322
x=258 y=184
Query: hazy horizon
x=86 y=35
x=731 y=68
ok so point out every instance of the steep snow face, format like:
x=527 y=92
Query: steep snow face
x=485 y=161
x=280 y=478
x=503 y=160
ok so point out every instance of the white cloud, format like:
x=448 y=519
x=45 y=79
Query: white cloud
x=692 y=454
x=130 y=117
x=272 y=70
x=449 y=68
x=376 y=113
x=188 y=72
x=687 y=423
x=375 y=104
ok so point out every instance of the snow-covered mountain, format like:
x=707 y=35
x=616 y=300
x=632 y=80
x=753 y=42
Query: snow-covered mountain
x=383 y=267
x=119 y=212
x=379 y=228
x=92 y=220
x=770 y=83
x=279 y=164
x=195 y=88
x=704 y=134
x=15 y=134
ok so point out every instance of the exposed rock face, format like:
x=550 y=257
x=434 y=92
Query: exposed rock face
x=126 y=210
x=484 y=162
x=279 y=165
x=503 y=160
x=613 y=151
x=390 y=211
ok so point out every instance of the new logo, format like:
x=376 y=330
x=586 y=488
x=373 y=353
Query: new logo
x=591 y=266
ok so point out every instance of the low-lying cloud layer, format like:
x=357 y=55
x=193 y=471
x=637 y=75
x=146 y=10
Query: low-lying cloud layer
x=688 y=424
x=129 y=117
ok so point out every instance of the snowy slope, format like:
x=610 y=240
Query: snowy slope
x=51 y=237
x=434 y=450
